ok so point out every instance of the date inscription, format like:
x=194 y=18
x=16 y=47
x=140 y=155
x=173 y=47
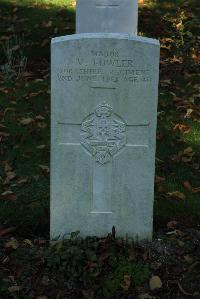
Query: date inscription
x=103 y=66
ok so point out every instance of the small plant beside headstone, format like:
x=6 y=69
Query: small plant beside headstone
x=15 y=61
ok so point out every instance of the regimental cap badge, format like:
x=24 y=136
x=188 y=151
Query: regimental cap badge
x=103 y=110
x=103 y=133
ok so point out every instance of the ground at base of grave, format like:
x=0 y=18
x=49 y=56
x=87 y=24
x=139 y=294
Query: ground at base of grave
x=93 y=268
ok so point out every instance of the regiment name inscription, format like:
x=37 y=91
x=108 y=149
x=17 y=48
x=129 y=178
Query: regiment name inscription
x=103 y=66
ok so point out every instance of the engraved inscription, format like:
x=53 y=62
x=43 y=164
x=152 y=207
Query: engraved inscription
x=103 y=133
x=108 y=4
x=104 y=66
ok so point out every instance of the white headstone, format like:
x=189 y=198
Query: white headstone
x=118 y=16
x=104 y=108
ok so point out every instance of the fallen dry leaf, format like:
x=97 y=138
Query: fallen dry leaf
x=10 y=175
x=6 y=231
x=26 y=121
x=187 y=159
x=8 y=192
x=14 y=289
x=44 y=167
x=28 y=242
x=40 y=117
x=196 y=190
x=34 y=94
x=126 y=283
x=3 y=134
x=155 y=283
x=179 y=25
x=159 y=179
x=8 y=109
x=45 y=42
x=183 y=128
x=22 y=181
x=12 y=243
x=187 y=155
x=188 y=151
x=42 y=146
x=172 y=224
x=187 y=185
x=165 y=82
x=196 y=166
x=176 y=195
x=7 y=167
x=11 y=197
x=15 y=48
x=189 y=113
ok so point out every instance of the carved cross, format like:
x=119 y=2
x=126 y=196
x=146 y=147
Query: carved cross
x=116 y=137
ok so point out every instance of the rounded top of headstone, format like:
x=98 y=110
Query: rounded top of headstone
x=114 y=16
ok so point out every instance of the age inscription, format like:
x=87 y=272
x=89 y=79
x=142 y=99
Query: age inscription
x=103 y=66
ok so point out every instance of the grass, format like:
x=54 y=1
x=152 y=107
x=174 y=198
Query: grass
x=25 y=110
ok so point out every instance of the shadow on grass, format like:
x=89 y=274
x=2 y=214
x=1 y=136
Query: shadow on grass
x=36 y=23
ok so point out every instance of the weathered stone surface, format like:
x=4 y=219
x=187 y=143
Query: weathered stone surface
x=104 y=108
x=118 y=16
